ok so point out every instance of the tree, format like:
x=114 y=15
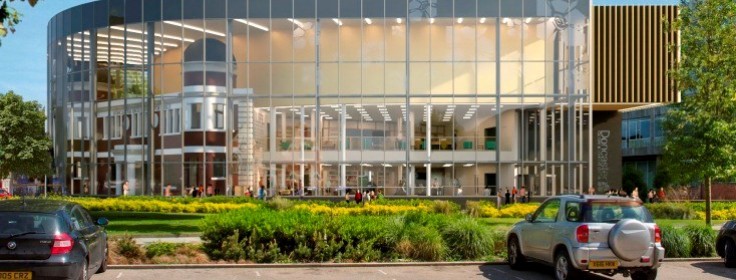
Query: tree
x=24 y=146
x=701 y=130
x=9 y=17
x=633 y=178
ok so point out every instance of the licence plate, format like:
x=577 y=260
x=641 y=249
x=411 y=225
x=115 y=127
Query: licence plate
x=603 y=265
x=15 y=275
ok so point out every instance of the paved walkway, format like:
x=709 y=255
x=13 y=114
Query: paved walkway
x=147 y=240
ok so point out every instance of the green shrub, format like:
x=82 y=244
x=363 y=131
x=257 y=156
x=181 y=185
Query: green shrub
x=474 y=208
x=426 y=243
x=671 y=211
x=444 y=207
x=467 y=240
x=162 y=249
x=279 y=203
x=676 y=242
x=127 y=247
x=703 y=240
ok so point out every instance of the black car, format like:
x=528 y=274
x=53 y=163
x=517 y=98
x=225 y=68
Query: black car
x=726 y=243
x=50 y=239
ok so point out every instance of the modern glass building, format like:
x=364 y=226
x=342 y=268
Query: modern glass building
x=411 y=97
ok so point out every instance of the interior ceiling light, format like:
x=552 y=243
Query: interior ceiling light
x=253 y=24
x=155 y=34
x=399 y=20
x=195 y=28
x=431 y=20
x=368 y=21
x=133 y=39
x=296 y=22
x=337 y=21
x=459 y=20
x=482 y=20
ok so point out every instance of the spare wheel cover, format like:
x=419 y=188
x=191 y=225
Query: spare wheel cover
x=630 y=239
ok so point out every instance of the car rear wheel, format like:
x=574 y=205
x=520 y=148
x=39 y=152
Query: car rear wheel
x=644 y=275
x=515 y=257
x=564 y=269
x=103 y=265
x=83 y=275
x=729 y=253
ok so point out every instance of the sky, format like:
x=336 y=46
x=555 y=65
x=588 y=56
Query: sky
x=23 y=54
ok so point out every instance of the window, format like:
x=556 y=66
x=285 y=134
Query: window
x=573 y=211
x=136 y=125
x=195 y=116
x=79 y=221
x=658 y=129
x=170 y=121
x=219 y=116
x=112 y=127
x=547 y=213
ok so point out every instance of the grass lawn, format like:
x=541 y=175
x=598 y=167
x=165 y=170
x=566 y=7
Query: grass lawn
x=152 y=224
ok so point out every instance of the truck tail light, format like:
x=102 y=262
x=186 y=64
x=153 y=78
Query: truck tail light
x=63 y=244
x=657 y=234
x=582 y=234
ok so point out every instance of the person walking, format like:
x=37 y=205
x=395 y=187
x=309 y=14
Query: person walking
x=167 y=191
x=347 y=198
x=650 y=196
x=514 y=191
x=126 y=188
x=499 y=198
x=522 y=194
x=358 y=197
x=508 y=197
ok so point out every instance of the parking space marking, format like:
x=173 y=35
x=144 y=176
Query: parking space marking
x=119 y=275
x=381 y=271
x=496 y=269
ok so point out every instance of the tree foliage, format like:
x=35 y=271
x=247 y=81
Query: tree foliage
x=9 y=16
x=633 y=178
x=24 y=146
x=701 y=130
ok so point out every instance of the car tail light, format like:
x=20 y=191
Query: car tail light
x=657 y=234
x=582 y=234
x=63 y=244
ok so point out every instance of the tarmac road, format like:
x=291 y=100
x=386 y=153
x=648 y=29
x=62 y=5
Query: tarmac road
x=699 y=270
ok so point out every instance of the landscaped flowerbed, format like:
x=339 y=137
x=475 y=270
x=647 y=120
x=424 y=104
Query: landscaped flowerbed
x=294 y=235
x=159 y=205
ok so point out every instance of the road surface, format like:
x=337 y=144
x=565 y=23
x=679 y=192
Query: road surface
x=700 y=270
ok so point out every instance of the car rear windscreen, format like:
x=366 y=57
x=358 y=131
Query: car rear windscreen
x=12 y=223
x=614 y=211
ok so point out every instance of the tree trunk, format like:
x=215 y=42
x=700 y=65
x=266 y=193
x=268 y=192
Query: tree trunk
x=707 y=201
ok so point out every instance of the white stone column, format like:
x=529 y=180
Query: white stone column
x=131 y=178
x=342 y=145
x=118 y=178
x=272 y=151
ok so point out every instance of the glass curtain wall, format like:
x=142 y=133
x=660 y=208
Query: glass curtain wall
x=321 y=97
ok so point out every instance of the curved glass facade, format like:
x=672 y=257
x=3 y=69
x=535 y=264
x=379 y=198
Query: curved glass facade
x=411 y=97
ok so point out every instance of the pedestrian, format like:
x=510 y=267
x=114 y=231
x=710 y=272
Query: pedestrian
x=508 y=197
x=358 y=197
x=522 y=194
x=660 y=194
x=261 y=193
x=347 y=198
x=650 y=196
x=126 y=188
x=635 y=193
x=514 y=191
x=366 y=197
x=373 y=195
x=167 y=191
x=499 y=198
x=591 y=190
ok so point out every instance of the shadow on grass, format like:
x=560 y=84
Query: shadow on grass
x=134 y=216
x=143 y=229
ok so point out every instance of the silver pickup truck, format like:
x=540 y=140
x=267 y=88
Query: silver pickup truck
x=596 y=233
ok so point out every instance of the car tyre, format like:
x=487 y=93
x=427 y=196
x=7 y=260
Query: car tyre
x=644 y=275
x=85 y=271
x=564 y=269
x=729 y=253
x=517 y=260
x=103 y=265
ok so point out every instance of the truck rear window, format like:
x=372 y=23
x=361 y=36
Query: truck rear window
x=614 y=211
